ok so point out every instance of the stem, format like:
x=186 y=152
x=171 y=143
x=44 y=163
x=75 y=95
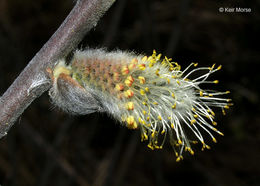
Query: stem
x=33 y=80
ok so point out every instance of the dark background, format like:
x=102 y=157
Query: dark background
x=49 y=147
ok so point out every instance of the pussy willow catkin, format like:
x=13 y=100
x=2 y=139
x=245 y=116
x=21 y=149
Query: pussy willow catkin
x=147 y=93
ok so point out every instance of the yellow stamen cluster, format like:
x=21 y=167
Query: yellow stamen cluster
x=154 y=95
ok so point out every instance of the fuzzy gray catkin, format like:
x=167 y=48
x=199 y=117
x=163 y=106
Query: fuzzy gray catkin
x=148 y=93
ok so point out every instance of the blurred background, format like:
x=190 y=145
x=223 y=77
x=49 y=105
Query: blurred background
x=49 y=147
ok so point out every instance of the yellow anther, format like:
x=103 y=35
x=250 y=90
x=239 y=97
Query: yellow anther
x=148 y=118
x=193 y=109
x=119 y=87
x=141 y=66
x=146 y=89
x=192 y=121
x=223 y=112
x=214 y=140
x=144 y=112
x=174 y=77
x=219 y=67
x=172 y=126
x=201 y=93
x=210 y=95
x=173 y=95
x=144 y=58
x=216 y=81
x=163 y=131
x=179 y=141
x=125 y=70
x=178 y=159
x=128 y=93
x=150 y=146
x=133 y=64
x=178 y=82
x=211 y=68
x=144 y=103
x=155 y=103
x=157 y=72
x=226 y=107
x=221 y=133
x=208 y=147
x=153 y=134
x=129 y=81
x=169 y=118
x=131 y=122
x=168 y=80
x=227 y=92
x=142 y=92
x=214 y=123
x=195 y=116
x=145 y=136
x=195 y=64
x=159 y=118
x=130 y=106
x=141 y=79
x=174 y=105
x=194 y=142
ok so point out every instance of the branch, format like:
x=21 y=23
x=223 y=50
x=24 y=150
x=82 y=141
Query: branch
x=34 y=80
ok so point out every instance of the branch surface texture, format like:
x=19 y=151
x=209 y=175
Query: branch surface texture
x=34 y=80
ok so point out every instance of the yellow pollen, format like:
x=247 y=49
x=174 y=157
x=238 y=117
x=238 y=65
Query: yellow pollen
x=178 y=82
x=144 y=112
x=128 y=93
x=141 y=66
x=193 y=121
x=163 y=131
x=173 y=95
x=142 y=92
x=226 y=107
x=195 y=116
x=119 y=87
x=131 y=122
x=214 y=123
x=153 y=134
x=219 y=67
x=129 y=81
x=172 y=126
x=195 y=64
x=157 y=72
x=201 y=93
x=216 y=81
x=130 y=106
x=141 y=79
x=155 y=103
x=179 y=141
x=144 y=58
x=214 y=140
x=159 y=118
x=174 y=106
x=146 y=89
x=125 y=70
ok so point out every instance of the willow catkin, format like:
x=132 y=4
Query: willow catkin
x=147 y=93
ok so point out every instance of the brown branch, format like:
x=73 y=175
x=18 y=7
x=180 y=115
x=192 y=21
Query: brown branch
x=33 y=80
